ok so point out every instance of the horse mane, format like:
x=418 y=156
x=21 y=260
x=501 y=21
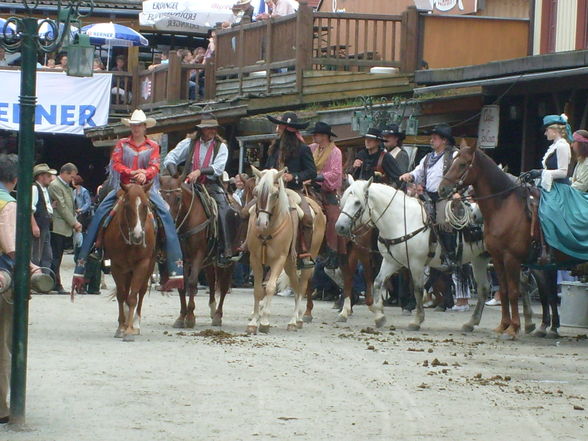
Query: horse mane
x=266 y=183
x=498 y=179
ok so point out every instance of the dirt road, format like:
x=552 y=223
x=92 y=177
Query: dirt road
x=327 y=381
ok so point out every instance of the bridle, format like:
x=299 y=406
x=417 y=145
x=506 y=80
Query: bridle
x=459 y=183
x=179 y=190
x=127 y=239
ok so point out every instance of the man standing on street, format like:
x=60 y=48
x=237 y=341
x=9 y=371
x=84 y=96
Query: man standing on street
x=41 y=254
x=64 y=218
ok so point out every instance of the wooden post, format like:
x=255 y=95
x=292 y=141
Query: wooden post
x=409 y=45
x=304 y=23
x=174 y=77
x=241 y=56
x=135 y=88
x=268 y=55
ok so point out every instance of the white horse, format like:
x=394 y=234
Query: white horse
x=404 y=242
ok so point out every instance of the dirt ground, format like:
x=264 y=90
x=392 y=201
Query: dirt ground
x=341 y=381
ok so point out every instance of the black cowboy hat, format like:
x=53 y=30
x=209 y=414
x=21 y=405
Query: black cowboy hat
x=444 y=131
x=289 y=119
x=322 y=127
x=374 y=134
x=393 y=129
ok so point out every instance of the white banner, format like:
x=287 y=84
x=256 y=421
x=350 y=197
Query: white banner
x=64 y=104
x=185 y=15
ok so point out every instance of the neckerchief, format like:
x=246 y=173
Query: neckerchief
x=434 y=158
x=196 y=159
x=321 y=155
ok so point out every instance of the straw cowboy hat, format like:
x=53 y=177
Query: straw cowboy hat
x=208 y=122
x=139 y=117
x=289 y=119
x=39 y=169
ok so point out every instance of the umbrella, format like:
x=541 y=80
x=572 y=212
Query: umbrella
x=111 y=34
x=11 y=27
x=45 y=30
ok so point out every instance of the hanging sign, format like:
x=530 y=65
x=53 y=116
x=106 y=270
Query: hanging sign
x=488 y=128
x=454 y=6
x=64 y=104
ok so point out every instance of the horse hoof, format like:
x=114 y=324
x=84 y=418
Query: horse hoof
x=341 y=319
x=553 y=335
x=264 y=329
x=179 y=324
x=307 y=318
x=414 y=327
x=380 y=322
x=299 y=324
x=190 y=322
x=540 y=333
x=128 y=338
x=119 y=333
x=217 y=321
x=292 y=327
x=468 y=327
x=251 y=330
x=507 y=336
x=529 y=328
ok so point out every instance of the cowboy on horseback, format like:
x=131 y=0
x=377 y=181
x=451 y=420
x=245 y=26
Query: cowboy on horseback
x=329 y=165
x=375 y=162
x=205 y=158
x=134 y=160
x=393 y=138
x=290 y=151
x=429 y=173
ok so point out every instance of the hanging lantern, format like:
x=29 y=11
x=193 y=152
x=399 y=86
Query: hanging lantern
x=412 y=126
x=80 y=57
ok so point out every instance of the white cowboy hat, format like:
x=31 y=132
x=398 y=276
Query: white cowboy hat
x=139 y=117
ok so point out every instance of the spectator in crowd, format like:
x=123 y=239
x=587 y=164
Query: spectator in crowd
x=164 y=60
x=50 y=63
x=242 y=13
x=209 y=54
x=63 y=62
x=279 y=8
x=199 y=51
x=98 y=66
x=3 y=60
x=42 y=213
x=64 y=218
x=239 y=193
x=580 y=148
x=120 y=64
x=120 y=94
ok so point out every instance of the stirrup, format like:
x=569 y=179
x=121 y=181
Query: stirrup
x=305 y=261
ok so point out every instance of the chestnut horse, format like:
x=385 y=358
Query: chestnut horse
x=271 y=236
x=507 y=227
x=195 y=230
x=129 y=242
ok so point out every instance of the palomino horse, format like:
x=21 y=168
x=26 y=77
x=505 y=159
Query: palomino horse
x=271 y=237
x=507 y=228
x=129 y=242
x=404 y=243
x=194 y=230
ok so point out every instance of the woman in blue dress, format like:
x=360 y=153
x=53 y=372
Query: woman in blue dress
x=563 y=210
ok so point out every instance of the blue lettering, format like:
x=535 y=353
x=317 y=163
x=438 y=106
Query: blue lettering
x=67 y=115
x=16 y=113
x=86 y=114
x=41 y=113
x=4 y=112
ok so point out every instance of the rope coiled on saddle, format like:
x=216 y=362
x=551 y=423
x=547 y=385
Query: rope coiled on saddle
x=458 y=222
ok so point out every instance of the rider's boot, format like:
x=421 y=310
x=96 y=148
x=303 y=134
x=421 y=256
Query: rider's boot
x=305 y=260
x=448 y=257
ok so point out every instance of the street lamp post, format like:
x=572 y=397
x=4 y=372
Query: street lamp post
x=22 y=33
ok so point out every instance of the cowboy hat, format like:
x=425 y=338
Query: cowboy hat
x=289 y=119
x=322 y=127
x=374 y=133
x=444 y=131
x=139 y=117
x=208 y=122
x=393 y=130
x=39 y=169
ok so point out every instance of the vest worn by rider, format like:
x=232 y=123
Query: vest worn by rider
x=188 y=167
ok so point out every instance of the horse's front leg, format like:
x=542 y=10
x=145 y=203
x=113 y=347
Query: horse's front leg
x=192 y=290
x=527 y=309
x=270 y=290
x=258 y=293
x=348 y=273
x=513 y=275
x=181 y=320
x=307 y=316
x=377 y=307
x=121 y=294
x=295 y=284
x=418 y=276
x=212 y=282
x=479 y=266
x=501 y=274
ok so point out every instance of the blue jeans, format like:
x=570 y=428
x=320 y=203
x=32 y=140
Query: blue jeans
x=172 y=243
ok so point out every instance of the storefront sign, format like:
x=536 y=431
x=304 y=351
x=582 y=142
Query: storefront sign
x=64 y=104
x=488 y=128
x=454 y=6
x=185 y=15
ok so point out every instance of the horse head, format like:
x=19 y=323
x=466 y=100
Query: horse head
x=135 y=212
x=353 y=207
x=171 y=192
x=461 y=173
x=271 y=196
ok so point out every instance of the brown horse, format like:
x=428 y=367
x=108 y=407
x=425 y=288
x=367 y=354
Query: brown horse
x=507 y=227
x=195 y=230
x=129 y=242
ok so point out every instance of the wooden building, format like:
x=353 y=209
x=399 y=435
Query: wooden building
x=560 y=26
